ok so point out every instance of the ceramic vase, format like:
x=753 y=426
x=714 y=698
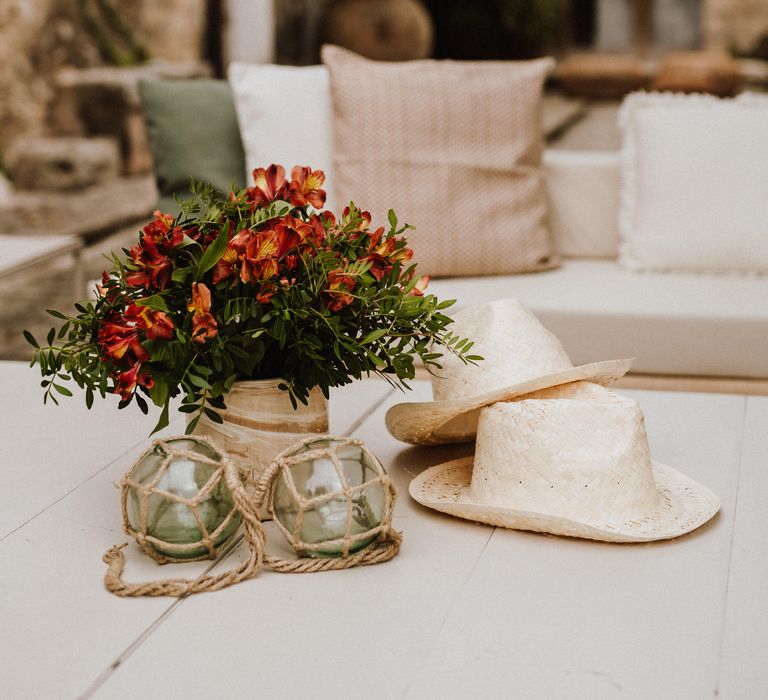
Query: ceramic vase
x=260 y=422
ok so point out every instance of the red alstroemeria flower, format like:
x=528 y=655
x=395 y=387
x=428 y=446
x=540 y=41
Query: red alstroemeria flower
x=400 y=255
x=105 y=290
x=363 y=221
x=305 y=187
x=127 y=381
x=231 y=261
x=265 y=293
x=160 y=233
x=156 y=324
x=385 y=253
x=116 y=339
x=292 y=232
x=120 y=336
x=260 y=259
x=204 y=325
x=420 y=286
x=339 y=290
x=155 y=268
x=269 y=185
x=379 y=254
x=318 y=225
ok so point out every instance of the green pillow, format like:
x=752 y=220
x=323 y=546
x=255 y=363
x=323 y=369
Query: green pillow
x=193 y=133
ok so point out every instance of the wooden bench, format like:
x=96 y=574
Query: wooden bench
x=20 y=252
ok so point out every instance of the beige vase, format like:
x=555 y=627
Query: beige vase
x=260 y=422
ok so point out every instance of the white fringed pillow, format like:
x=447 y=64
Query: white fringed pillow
x=284 y=115
x=695 y=189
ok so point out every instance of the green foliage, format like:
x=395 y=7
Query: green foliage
x=108 y=31
x=235 y=289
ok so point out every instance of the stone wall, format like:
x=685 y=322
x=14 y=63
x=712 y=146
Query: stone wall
x=39 y=37
x=734 y=24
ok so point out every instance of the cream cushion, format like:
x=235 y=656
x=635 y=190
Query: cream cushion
x=685 y=324
x=694 y=186
x=461 y=165
x=284 y=115
x=583 y=195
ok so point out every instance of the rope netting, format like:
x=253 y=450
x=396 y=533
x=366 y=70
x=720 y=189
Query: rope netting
x=385 y=544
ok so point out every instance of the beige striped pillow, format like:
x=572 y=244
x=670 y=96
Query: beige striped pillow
x=454 y=148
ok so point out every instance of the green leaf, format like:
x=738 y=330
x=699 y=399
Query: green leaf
x=374 y=335
x=193 y=424
x=88 y=398
x=159 y=393
x=213 y=416
x=51 y=336
x=187 y=241
x=180 y=274
x=56 y=314
x=214 y=252
x=162 y=422
x=30 y=339
x=198 y=381
x=392 y=218
x=189 y=407
x=62 y=390
x=155 y=302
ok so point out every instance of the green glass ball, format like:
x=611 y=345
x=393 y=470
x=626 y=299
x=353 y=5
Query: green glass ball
x=316 y=477
x=173 y=522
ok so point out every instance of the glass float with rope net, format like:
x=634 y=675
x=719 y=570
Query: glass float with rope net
x=176 y=501
x=330 y=497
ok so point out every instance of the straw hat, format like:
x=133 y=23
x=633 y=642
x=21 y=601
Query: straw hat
x=520 y=356
x=570 y=460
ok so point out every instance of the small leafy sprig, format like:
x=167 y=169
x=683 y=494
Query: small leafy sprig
x=259 y=284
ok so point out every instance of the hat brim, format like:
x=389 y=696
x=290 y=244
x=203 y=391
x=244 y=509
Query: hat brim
x=686 y=505
x=455 y=420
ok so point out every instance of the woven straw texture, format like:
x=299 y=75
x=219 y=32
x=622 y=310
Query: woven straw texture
x=570 y=460
x=462 y=166
x=520 y=356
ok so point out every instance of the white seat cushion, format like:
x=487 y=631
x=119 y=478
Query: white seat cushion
x=583 y=194
x=683 y=324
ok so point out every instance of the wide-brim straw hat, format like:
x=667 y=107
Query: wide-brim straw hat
x=520 y=356
x=572 y=460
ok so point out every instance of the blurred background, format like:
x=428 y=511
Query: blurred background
x=76 y=178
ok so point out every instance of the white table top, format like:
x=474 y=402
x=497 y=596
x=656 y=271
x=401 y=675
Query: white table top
x=464 y=611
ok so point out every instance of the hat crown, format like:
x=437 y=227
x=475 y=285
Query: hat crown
x=576 y=456
x=514 y=344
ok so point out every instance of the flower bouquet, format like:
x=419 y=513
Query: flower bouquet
x=259 y=284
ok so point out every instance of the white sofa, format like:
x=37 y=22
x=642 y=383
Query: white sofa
x=676 y=325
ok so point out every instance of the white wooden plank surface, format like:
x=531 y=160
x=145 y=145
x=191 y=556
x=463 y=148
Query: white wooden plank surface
x=49 y=450
x=546 y=617
x=61 y=629
x=358 y=633
x=464 y=611
x=744 y=671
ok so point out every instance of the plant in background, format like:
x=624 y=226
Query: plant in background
x=110 y=32
x=259 y=284
x=495 y=29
